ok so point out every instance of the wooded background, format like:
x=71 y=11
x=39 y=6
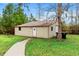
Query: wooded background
x=13 y=15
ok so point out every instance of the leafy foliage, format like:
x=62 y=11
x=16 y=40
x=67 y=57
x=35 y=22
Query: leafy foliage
x=12 y=16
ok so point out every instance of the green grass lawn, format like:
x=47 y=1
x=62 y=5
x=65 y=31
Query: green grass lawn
x=53 y=47
x=6 y=41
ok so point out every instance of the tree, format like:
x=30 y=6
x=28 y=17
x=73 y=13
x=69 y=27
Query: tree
x=1 y=24
x=39 y=11
x=12 y=15
x=31 y=17
x=51 y=8
x=19 y=16
x=7 y=18
x=59 y=13
x=77 y=18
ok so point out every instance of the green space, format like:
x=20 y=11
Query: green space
x=53 y=47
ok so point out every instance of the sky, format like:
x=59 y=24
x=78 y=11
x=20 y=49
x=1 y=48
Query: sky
x=1 y=7
x=34 y=8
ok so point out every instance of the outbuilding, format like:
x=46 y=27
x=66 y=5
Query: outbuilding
x=41 y=29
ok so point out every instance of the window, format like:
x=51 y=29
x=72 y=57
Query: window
x=51 y=28
x=19 y=28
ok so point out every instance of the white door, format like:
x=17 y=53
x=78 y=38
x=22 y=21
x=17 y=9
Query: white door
x=34 y=32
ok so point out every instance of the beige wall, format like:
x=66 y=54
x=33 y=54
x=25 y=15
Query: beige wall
x=24 y=31
x=52 y=33
x=41 y=32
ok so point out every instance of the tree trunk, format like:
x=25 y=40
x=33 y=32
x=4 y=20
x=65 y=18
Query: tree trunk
x=59 y=13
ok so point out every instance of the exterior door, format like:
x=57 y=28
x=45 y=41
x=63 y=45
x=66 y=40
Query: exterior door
x=34 y=32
